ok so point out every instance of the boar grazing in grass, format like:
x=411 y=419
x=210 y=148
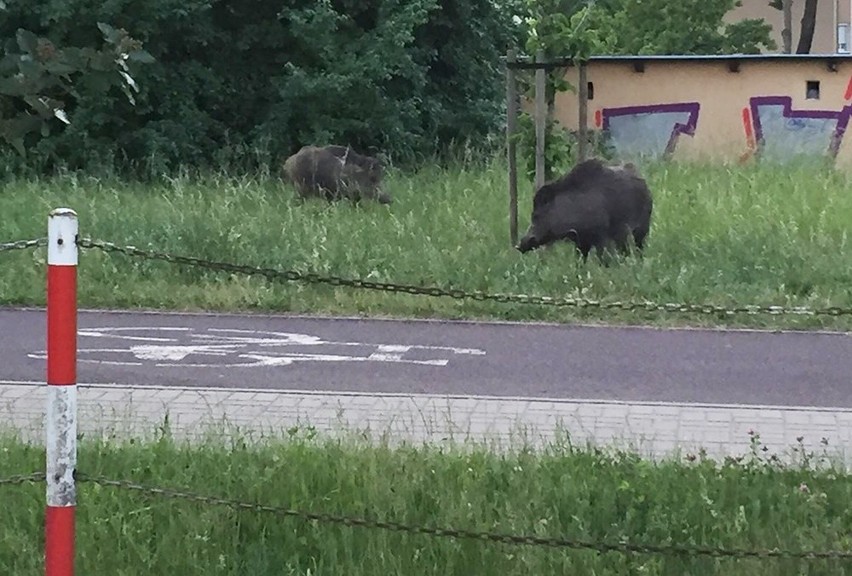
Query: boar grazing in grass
x=593 y=206
x=336 y=172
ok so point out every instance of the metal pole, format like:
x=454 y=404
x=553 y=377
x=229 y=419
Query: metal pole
x=61 y=421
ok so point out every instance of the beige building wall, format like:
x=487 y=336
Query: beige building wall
x=643 y=108
x=832 y=17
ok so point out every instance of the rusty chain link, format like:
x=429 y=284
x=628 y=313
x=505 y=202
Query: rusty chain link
x=435 y=291
x=314 y=278
x=19 y=479
x=351 y=521
x=22 y=244
x=358 y=522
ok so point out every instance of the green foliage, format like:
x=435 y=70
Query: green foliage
x=561 y=147
x=575 y=29
x=685 y=27
x=38 y=80
x=569 y=28
x=748 y=36
x=241 y=84
x=558 y=29
x=342 y=80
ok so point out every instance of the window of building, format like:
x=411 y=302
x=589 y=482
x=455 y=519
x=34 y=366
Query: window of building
x=812 y=90
x=843 y=38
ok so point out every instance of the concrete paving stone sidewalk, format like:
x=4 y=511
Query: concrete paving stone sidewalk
x=654 y=429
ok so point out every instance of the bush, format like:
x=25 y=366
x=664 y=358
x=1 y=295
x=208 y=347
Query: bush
x=240 y=84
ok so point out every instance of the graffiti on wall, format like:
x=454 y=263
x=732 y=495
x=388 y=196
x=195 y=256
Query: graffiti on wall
x=650 y=131
x=775 y=131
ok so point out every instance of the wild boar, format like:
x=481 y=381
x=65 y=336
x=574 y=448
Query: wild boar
x=593 y=206
x=334 y=172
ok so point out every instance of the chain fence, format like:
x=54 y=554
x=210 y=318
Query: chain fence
x=290 y=275
x=19 y=479
x=445 y=532
x=435 y=291
x=22 y=244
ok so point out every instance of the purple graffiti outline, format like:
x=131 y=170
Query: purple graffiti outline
x=842 y=117
x=693 y=108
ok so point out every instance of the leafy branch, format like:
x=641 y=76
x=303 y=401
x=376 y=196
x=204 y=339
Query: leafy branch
x=37 y=79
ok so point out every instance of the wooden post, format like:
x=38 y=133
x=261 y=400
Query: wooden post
x=540 y=118
x=511 y=128
x=583 y=112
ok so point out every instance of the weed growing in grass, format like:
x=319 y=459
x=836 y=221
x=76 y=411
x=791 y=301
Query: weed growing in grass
x=563 y=491
x=728 y=236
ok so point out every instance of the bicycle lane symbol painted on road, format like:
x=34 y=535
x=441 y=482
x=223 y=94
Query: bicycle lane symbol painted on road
x=218 y=347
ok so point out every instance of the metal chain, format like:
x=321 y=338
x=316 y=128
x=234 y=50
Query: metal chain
x=22 y=244
x=314 y=278
x=22 y=479
x=352 y=521
x=624 y=547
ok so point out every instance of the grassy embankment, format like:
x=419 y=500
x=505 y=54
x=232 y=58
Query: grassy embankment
x=728 y=236
x=561 y=492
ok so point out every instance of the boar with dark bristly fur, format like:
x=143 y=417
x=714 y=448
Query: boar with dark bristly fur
x=335 y=172
x=593 y=206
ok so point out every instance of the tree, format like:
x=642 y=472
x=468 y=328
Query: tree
x=787 y=33
x=560 y=29
x=806 y=38
x=808 y=23
x=686 y=27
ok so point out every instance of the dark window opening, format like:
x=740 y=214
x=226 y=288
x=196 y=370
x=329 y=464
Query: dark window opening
x=812 y=90
x=590 y=90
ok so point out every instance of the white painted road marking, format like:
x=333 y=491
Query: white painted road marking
x=176 y=346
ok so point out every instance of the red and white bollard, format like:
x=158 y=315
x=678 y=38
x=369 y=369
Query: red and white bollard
x=61 y=421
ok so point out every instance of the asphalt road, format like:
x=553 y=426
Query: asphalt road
x=578 y=362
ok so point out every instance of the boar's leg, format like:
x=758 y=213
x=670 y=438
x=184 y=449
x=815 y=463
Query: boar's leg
x=639 y=238
x=621 y=245
x=582 y=247
x=584 y=243
x=621 y=238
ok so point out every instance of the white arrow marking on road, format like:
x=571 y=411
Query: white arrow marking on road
x=177 y=353
x=105 y=333
x=166 y=348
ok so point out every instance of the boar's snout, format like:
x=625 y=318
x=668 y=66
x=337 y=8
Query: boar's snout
x=527 y=243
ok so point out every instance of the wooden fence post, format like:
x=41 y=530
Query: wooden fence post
x=511 y=128
x=540 y=118
x=582 y=112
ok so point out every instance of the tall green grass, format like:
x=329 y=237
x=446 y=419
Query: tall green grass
x=723 y=235
x=561 y=492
